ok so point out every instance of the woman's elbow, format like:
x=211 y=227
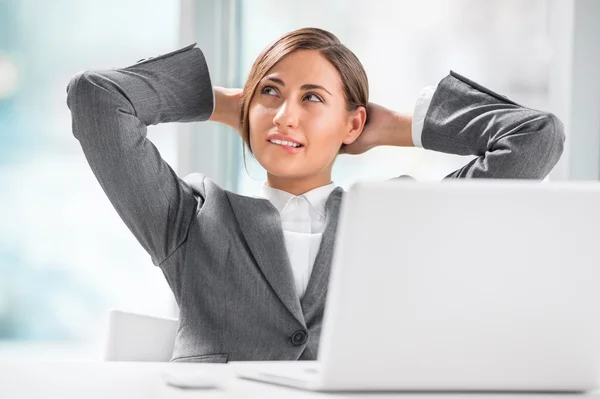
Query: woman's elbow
x=550 y=141
x=555 y=135
x=91 y=95
x=79 y=88
x=79 y=102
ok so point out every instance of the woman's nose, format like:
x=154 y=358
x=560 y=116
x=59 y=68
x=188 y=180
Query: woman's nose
x=287 y=116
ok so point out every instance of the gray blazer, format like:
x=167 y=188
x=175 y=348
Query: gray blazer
x=223 y=254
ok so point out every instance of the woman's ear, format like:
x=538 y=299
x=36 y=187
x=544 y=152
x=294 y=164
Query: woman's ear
x=356 y=124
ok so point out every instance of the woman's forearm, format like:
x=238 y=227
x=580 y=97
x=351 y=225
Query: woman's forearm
x=398 y=132
x=383 y=127
x=227 y=106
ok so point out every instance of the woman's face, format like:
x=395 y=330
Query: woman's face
x=299 y=100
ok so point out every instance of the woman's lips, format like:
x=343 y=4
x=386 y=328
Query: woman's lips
x=289 y=149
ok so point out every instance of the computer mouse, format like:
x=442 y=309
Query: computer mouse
x=192 y=379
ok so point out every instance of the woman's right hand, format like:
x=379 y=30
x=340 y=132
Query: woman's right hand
x=228 y=107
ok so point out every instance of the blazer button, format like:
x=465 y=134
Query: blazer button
x=299 y=337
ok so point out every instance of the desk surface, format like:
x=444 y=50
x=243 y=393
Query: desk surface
x=130 y=380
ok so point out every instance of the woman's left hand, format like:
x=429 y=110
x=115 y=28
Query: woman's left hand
x=383 y=127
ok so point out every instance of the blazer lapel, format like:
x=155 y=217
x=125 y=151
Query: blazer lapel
x=313 y=301
x=260 y=224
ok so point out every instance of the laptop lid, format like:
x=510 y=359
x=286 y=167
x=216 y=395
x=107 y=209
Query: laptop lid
x=464 y=285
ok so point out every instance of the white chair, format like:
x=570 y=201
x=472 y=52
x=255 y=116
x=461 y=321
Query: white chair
x=140 y=338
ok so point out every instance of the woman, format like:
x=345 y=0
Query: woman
x=250 y=274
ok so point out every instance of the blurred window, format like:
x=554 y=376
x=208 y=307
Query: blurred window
x=65 y=255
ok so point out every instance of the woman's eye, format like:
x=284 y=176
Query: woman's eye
x=269 y=91
x=311 y=97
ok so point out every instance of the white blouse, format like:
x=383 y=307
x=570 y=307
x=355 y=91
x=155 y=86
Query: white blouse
x=303 y=222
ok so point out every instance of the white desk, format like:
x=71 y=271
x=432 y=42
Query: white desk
x=116 y=380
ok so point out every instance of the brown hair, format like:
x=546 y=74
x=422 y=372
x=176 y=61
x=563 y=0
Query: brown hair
x=353 y=77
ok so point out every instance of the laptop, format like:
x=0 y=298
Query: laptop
x=458 y=286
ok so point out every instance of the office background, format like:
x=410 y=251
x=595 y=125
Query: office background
x=66 y=257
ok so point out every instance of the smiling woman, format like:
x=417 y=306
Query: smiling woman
x=306 y=88
x=305 y=102
x=250 y=274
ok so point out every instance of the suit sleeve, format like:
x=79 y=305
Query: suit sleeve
x=509 y=140
x=111 y=110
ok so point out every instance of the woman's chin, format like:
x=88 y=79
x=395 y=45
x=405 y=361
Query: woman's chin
x=282 y=169
x=286 y=172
